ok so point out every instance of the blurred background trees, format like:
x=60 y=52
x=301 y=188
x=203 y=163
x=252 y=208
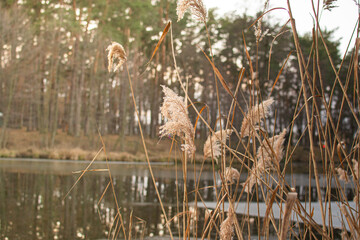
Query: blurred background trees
x=53 y=71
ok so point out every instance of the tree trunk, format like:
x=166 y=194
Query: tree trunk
x=73 y=89
x=54 y=79
x=78 y=93
x=90 y=117
x=11 y=91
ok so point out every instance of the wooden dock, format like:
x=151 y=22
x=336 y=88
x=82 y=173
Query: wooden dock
x=255 y=209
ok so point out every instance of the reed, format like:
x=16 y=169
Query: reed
x=178 y=122
x=196 y=7
x=227 y=226
x=290 y=201
x=212 y=146
x=252 y=152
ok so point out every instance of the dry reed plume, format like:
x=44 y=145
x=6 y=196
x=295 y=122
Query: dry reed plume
x=270 y=152
x=259 y=35
x=253 y=178
x=196 y=8
x=227 y=226
x=254 y=117
x=178 y=123
x=272 y=149
x=212 y=146
x=116 y=51
x=231 y=174
x=342 y=174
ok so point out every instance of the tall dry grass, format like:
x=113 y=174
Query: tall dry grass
x=263 y=155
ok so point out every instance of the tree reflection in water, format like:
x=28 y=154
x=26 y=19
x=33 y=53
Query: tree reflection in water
x=32 y=204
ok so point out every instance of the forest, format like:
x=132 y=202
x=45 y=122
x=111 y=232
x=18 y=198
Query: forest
x=261 y=123
x=54 y=69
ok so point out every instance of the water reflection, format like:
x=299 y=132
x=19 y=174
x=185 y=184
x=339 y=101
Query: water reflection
x=32 y=204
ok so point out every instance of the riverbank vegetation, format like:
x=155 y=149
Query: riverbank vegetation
x=54 y=72
x=25 y=144
x=28 y=144
x=251 y=90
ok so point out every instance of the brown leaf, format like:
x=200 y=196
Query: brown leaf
x=248 y=56
x=166 y=30
x=218 y=74
x=197 y=118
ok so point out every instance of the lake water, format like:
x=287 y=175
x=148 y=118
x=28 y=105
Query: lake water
x=33 y=203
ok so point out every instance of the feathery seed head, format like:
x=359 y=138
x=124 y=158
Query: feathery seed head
x=196 y=8
x=269 y=152
x=213 y=143
x=178 y=122
x=259 y=34
x=227 y=226
x=257 y=29
x=254 y=117
x=342 y=174
x=182 y=7
x=231 y=174
x=116 y=51
x=272 y=149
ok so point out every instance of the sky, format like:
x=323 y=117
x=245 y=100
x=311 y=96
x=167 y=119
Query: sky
x=342 y=18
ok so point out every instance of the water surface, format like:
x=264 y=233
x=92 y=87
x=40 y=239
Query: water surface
x=32 y=203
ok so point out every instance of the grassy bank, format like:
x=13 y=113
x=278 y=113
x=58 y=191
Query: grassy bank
x=29 y=144
x=25 y=144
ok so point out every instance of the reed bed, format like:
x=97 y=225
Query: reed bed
x=266 y=157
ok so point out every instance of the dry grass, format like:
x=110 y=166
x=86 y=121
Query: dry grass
x=212 y=146
x=177 y=122
x=196 y=8
x=227 y=226
x=116 y=52
x=251 y=150
x=24 y=144
x=261 y=158
x=254 y=117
